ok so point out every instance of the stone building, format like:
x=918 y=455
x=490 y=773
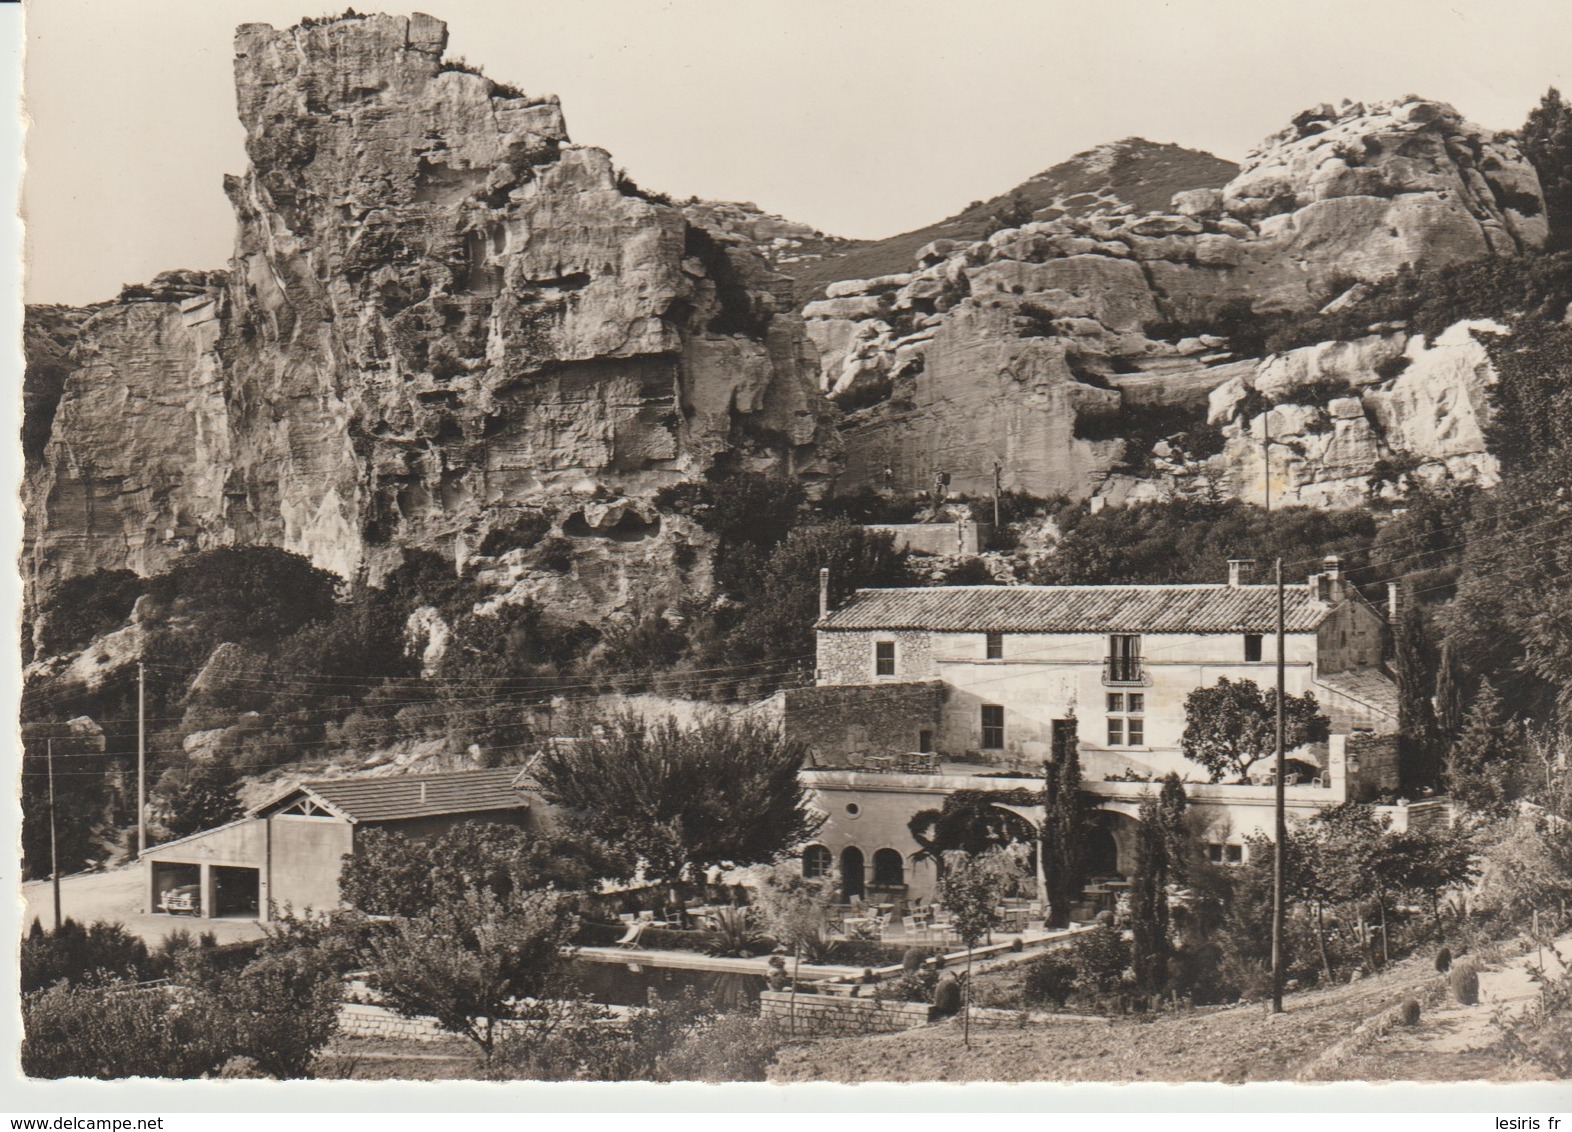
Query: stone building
x=982 y=681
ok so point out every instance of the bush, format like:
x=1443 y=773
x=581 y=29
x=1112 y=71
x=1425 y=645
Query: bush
x=81 y=608
x=112 y=1031
x=1050 y=979
x=1409 y=1012
x=103 y=951
x=1100 y=958
x=735 y=1047
x=1444 y=960
x=1464 y=981
x=914 y=958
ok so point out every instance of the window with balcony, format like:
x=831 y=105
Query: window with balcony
x=995 y=646
x=1123 y=665
x=992 y=727
x=884 y=658
x=1126 y=719
x=1252 y=647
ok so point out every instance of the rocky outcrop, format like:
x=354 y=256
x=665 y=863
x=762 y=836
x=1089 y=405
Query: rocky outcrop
x=439 y=310
x=1340 y=200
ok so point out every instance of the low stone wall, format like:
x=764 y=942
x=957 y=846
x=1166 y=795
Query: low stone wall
x=964 y=537
x=357 y=1020
x=841 y=1014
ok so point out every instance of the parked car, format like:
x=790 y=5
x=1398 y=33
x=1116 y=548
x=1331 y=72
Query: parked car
x=186 y=899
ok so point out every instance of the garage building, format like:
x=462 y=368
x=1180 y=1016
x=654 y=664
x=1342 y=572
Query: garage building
x=289 y=850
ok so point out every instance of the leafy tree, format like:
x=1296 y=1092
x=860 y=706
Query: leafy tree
x=390 y=874
x=1149 y=901
x=473 y=962
x=795 y=910
x=279 y=1010
x=1483 y=762
x=748 y=512
x=1546 y=140
x=777 y=624
x=971 y=891
x=1064 y=826
x=191 y=799
x=679 y=800
x=1231 y=725
x=971 y=821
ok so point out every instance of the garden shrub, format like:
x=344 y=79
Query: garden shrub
x=1464 y=981
x=1049 y=979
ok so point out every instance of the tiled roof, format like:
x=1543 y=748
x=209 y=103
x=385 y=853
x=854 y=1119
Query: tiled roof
x=421 y=795
x=1080 y=609
x=1368 y=686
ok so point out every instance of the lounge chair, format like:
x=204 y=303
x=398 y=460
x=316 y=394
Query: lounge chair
x=630 y=938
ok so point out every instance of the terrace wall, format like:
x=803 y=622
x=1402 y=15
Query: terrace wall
x=840 y=1014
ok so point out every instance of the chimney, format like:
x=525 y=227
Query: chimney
x=1332 y=582
x=824 y=590
x=1394 y=603
x=1238 y=570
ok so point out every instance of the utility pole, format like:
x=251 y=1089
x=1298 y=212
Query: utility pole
x=1281 y=835
x=141 y=758
x=54 y=846
x=997 y=469
x=1266 y=461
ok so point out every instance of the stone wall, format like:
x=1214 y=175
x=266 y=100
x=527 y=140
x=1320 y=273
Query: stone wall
x=1372 y=765
x=839 y=1014
x=358 y=1020
x=839 y=719
x=847 y=656
x=964 y=537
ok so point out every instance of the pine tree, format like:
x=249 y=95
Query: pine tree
x=1482 y=763
x=1547 y=143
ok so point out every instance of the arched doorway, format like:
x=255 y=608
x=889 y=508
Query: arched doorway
x=852 y=873
x=889 y=870
x=1102 y=853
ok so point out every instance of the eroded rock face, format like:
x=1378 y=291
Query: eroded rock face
x=439 y=309
x=1341 y=199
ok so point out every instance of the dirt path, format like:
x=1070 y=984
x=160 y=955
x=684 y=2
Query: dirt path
x=1462 y=1043
x=116 y=895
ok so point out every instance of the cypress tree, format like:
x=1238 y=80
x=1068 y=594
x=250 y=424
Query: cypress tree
x=1149 y=900
x=1064 y=825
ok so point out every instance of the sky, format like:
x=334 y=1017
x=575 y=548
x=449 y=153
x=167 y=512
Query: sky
x=863 y=118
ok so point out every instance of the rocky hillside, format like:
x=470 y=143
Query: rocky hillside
x=444 y=323
x=1133 y=175
x=1063 y=349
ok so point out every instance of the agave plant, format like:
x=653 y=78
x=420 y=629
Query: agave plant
x=735 y=935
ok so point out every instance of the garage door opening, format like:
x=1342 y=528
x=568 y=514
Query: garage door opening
x=177 y=889
x=236 y=892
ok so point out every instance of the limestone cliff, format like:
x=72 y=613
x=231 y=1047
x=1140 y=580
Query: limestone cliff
x=1090 y=317
x=441 y=314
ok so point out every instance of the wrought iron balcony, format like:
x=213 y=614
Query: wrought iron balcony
x=1123 y=670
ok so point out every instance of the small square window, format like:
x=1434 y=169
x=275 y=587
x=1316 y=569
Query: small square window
x=1137 y=702
x=1252 y=647
x=1135 y=731
x=884 y=658
x=1115 y=731
x=1233 y=854
x=995 y=646
x=1214 y=853
x=1116 y=701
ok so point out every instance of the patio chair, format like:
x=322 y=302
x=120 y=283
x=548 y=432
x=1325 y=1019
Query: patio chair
x=636 y=929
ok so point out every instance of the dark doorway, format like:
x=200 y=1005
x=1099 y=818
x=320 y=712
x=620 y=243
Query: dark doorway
x=851 y=873
x=1102 y=853
x=236 y=891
